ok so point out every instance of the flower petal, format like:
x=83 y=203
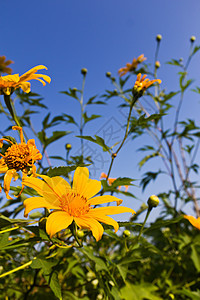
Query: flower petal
x=195 y=222
x=92 y=224
x=83 y=185
x=112 y=210
x=103 y=199
x=37 y=202
x=105 y=219
x=43 y=189
x=57 y=221
x=7 y=180
x=58 y=184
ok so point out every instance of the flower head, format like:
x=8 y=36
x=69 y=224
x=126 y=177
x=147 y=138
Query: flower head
x=195 y=222
x=10 y=83
x=4 y=65
x=141 y=84
x=18 y=157
x=131 y=67
x=73 y=204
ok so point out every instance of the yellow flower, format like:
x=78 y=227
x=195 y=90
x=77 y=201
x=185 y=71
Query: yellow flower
x=111 y=180
x=10 y=83
x=4 y=65
x=131 y=67
x=195 y=222
x=141 y=84
x=73 y=204
x=18 y=157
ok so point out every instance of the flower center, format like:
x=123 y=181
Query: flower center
x=74 y=204
x=18 y=157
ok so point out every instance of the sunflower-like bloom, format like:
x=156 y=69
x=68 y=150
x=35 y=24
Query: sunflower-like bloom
x=111 y=180
x=4 y=65
x=141 y=84
x=18 y=157
x=10 y=83
x=131 y=67
x=195 y=222
x=73 y=204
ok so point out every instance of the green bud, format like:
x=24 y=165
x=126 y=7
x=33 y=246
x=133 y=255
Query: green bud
x=74 y=89
x=193 y=39
x=80 y=234
x=126 y=233
x=68 y=147
x=158 y=37
x=84 y=71
x=153 y=201
x=108 y=74
x=157 y=64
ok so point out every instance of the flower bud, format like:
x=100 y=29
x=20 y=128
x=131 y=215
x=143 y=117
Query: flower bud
x=84 y=71
x=74 y=89
x=158 y=37
x=108 y=74
x=153 y=201
x=193 y=39
x=126 y=233
x=80 y=234
x=157 y=64
x=68 y=147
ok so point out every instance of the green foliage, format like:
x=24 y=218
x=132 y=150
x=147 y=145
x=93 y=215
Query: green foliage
x=155 y=260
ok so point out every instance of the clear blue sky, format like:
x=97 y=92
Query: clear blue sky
x=102 y=36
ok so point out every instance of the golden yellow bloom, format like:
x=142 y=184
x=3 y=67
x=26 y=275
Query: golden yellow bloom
x=195 y=222
x=73 y=204
x=18 y=157
x=111 y=180
x=4 y=65
x=10 y=83
x=131 y=67
x=141 y=84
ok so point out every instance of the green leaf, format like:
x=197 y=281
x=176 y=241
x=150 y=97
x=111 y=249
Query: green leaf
x=10 y=138
x=55 y=136
x=88 y=119
x=98 y=140
x=148 y=157
x=140 y=291
x=57 y=171
x=195 y=256
x=50 y=274
x=99 y=263
x=69 y=119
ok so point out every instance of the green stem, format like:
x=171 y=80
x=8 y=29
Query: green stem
x=82 y=112
x=17 y=269
x=147 y=215
x=11 y=109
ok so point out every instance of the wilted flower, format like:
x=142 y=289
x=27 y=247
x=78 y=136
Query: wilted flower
x=10 y=83
x=195 y=222
x=131 y=67
x=4 y=65
x=73 y=204
x=18 y=157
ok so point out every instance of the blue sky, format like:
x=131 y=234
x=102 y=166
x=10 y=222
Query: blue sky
x=101 y=36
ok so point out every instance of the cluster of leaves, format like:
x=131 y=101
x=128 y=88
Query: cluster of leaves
x=164 y=263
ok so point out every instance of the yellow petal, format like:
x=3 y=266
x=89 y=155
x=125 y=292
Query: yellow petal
x=58 y=184
x=83 y=185
x=7 y=180
x=92 y=224
x=26 y=75
x=112 y=210
x=25 y=86
x=105 y=219
x=103 y=199
x=57 y=221
x=37 y=202
x=195 y=222
x=43 y=189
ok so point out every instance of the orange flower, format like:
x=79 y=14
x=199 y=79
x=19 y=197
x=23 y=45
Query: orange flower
x=18 y=157
x=131 y=67
x=111 y=180
x=4 y=65
x=141 y=84
x=10 y=83
x=76 y=204
x=195 y=222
